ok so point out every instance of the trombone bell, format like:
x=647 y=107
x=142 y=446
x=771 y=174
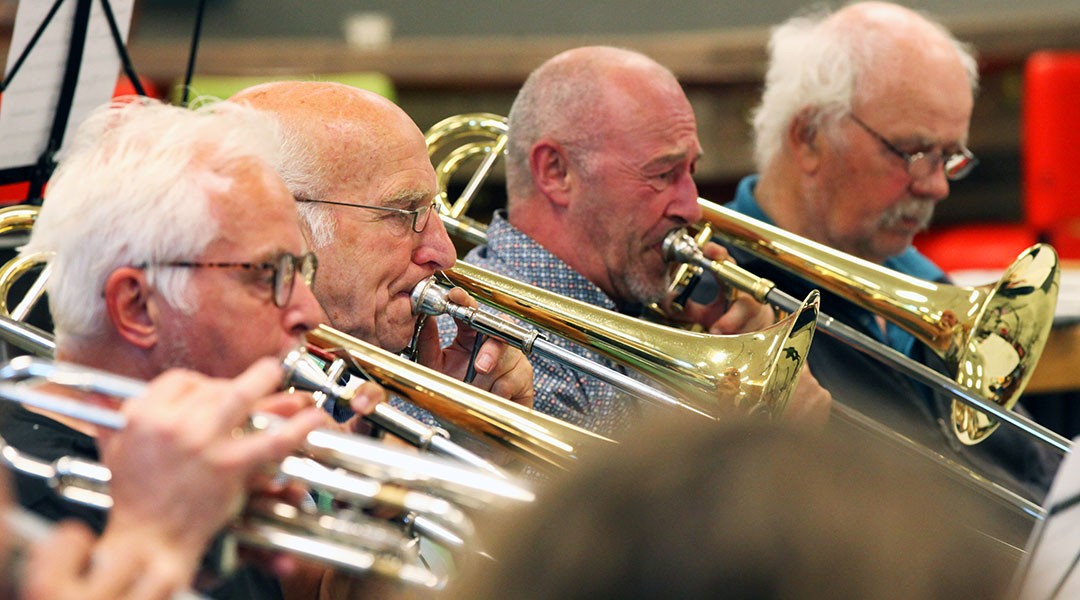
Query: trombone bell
x=990 y=337
x=754 y=372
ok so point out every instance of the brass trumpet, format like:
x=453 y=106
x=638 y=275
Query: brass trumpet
x=990 y=337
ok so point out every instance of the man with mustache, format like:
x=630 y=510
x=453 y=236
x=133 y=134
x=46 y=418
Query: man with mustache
x=602 y=149
x=861 y=127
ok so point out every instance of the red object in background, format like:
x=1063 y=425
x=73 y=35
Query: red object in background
x=1051 y=148
x=13 y=193
x=981 y=246
x=1050 y=155
x=124 y=87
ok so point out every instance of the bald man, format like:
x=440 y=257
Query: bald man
x=602 y=149
x=359 y=169
x=856 y=156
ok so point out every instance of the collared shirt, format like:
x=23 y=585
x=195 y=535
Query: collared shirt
x=560 y=391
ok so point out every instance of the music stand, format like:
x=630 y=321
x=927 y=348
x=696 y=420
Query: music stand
x=77 y=66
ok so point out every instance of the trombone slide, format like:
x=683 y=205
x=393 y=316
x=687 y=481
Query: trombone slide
x=432 y=299
x=681 y=247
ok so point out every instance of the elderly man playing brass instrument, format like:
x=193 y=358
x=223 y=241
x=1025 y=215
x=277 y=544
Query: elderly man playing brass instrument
x=600 y=161
x=359 y=170
x=175 y=245
x=856 y=156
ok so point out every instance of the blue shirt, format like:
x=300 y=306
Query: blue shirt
x=905 y=406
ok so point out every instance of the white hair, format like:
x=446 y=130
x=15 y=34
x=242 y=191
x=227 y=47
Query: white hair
x=299 y=166
x=134 y=187
x=813 y=65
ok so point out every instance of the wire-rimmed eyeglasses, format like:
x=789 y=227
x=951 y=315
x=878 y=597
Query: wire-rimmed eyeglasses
x=399 y=218
x=921 y=165
x=284 y=271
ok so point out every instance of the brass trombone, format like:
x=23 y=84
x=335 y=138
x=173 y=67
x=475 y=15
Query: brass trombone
x=543 y=441
x=456 y=140
x=431 y=298
x=754 y=372
x=989 y=337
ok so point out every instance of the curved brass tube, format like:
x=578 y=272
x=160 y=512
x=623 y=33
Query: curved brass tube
x=754 y=372
x=544 y=441
x=456 y=140
x=13 y=219
x=990 y=337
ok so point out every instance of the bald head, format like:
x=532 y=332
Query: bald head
x=360 y=167
x=895 y=44
x=577 y=98
x=334 y=133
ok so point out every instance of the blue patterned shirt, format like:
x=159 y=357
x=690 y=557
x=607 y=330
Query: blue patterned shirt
x=560 y=391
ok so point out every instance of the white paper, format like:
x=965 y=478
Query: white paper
x=29 y=103
x=1055 y=544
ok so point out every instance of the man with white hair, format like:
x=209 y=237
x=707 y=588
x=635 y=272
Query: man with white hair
x=862 y=126
x=359 y=169
x=174 y=244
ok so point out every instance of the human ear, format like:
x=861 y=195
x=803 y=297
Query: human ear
x=550 y=169
x=131 y=307
x=803 y=139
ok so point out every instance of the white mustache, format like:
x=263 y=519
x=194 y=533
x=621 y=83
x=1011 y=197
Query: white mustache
x=920 y=210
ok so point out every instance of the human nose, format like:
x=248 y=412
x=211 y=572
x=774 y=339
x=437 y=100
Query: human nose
x=303 y=313
x=684 y=206
x=933 y=186
x=434 y=247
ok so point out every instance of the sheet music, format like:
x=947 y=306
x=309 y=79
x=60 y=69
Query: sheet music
x=1056 y=544
x=29 y=102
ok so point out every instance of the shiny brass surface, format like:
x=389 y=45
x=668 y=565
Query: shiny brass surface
x=990 y=337
x=754 y=372
x=356 y=471
x=457 y=140
x=20 y=217
x=15 y=219
x=543 y=441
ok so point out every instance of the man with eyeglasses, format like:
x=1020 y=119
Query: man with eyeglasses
x=359 y=170
x=174 y=244
x=862 y=126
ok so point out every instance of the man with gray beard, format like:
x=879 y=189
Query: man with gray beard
x=861 y=127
